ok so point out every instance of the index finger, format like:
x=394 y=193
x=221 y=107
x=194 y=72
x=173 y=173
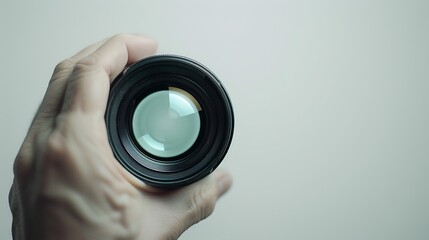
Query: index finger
x=88 y=86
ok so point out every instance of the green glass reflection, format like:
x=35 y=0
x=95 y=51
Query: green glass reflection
x=166 y=123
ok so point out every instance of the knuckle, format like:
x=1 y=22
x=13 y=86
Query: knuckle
x=22 y=165
x=56 y=149
x=24 y=160
x=65 y=64
x=14 y=202
x=54 y=143
x=86 y=63
x=63 y=68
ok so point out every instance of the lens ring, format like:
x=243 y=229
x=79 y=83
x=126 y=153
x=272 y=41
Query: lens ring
x=208 y=147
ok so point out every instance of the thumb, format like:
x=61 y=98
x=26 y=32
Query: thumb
x=203 y=195
x=184 y=207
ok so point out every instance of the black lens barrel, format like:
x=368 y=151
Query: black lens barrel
x=158 y=73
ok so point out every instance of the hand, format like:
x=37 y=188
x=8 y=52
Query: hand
x=68 y=185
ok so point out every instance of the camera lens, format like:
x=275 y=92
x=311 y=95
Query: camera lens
x=169 y=120
x=166 y=123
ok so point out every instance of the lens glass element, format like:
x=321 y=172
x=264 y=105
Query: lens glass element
x=166 y=123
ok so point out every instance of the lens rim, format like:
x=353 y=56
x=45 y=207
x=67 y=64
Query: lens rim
x=161 y=72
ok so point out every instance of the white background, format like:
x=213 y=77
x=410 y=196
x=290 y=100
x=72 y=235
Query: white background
x=331 y=101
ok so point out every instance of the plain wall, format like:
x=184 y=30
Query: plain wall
x=331 y=102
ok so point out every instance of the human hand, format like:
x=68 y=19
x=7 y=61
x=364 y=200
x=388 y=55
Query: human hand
x=68 y=184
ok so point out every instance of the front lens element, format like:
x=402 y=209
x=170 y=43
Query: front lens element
x=167 y=123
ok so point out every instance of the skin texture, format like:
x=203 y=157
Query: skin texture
x=68 y=185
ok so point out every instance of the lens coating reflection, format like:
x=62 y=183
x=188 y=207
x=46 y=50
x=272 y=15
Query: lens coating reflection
x=167 y=123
